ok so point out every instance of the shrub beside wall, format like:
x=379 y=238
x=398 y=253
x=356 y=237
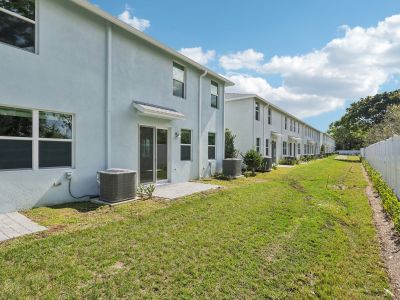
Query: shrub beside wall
x=389 y=199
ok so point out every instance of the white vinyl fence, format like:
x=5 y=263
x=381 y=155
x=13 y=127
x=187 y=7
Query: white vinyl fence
x=385 y=158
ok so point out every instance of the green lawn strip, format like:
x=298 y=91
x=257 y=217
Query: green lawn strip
x=279 y=235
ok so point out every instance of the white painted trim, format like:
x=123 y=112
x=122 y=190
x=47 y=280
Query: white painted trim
x=19 y=16
x=35 y=136
x=36 y=139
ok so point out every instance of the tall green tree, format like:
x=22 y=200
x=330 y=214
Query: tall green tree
x=350 y=132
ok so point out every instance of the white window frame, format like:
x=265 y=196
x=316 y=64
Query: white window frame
x=284 y=148
x=184 y=79
x=34 y=22
x=258 y=144
x=257 y=111
x=190 y=145
x=36 y=139
x=266 y=147
x=212 y=146
x=214 y=83
x=285 y=123
x=269 y=116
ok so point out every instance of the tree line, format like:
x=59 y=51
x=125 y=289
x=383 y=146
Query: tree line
x=367 y=121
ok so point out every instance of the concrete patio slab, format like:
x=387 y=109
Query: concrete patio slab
x=14 y=225
x=178 y=190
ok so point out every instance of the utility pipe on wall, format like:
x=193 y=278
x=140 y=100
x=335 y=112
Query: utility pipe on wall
x=200 y=108
x=108 y=96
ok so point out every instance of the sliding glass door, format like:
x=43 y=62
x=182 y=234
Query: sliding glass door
x=146 y=154
x=153 y=157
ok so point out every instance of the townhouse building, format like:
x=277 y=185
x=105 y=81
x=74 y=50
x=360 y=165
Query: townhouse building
x=81 y=91
x=273 y=132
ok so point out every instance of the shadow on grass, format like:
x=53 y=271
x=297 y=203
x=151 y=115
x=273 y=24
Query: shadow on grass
x=82 y=207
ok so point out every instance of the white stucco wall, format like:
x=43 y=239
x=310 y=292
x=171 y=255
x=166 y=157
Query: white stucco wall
x=241 y=120
x=69 y=74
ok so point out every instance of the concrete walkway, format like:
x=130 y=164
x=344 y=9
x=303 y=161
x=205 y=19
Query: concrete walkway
x=178 y=190
x=14 y=225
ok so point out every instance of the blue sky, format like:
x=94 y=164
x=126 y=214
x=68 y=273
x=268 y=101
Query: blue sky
x=240 y=38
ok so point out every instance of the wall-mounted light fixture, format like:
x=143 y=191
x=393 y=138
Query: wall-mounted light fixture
x=177 y=134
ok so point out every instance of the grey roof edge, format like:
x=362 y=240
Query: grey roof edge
x=101 y=13
x=155 y=106
x=239 y=96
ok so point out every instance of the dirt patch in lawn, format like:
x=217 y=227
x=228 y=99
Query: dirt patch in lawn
x=388 y=236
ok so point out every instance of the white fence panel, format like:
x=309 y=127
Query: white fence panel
x=385 y=158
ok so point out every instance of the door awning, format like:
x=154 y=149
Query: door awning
x=294 y=138
x=156 y=111
x=276 y=134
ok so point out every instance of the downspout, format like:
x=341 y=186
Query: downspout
x=108 y=96
x=200 y=108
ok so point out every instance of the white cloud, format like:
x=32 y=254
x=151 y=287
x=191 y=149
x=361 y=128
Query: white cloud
x=248 y=59
x=128 y=17
x=198 y=55
x=350 y=67
x=301 y=105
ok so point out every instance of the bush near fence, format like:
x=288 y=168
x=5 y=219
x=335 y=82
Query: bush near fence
x=389 y=199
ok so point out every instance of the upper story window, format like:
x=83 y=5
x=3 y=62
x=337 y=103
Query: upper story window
x=17 y=23
x=214 y=94
x=285 y=123
x=269 y=116
x=257 y=111
x=178 y=80
x=291 y=125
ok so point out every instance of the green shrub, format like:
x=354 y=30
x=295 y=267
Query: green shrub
x=253 y=160
x=230 y=150
x=289 y=161
x=222 y=176
x=248 y=174
x=389 y=199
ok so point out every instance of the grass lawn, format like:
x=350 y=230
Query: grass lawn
x=349 y=158
x=296 y=233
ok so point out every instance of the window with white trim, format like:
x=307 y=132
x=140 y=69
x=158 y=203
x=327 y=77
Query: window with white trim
x=284 y=148
x=298 y=149
x=178 y=81
x=211 y=145
x=285 y=123
x=257 y=111
x=55 y=140
x=186 y=144
x=18 y=24
x=32 y=139
x=269 y=116
x=267 y=147
x=214 y=94
x=258 y=144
